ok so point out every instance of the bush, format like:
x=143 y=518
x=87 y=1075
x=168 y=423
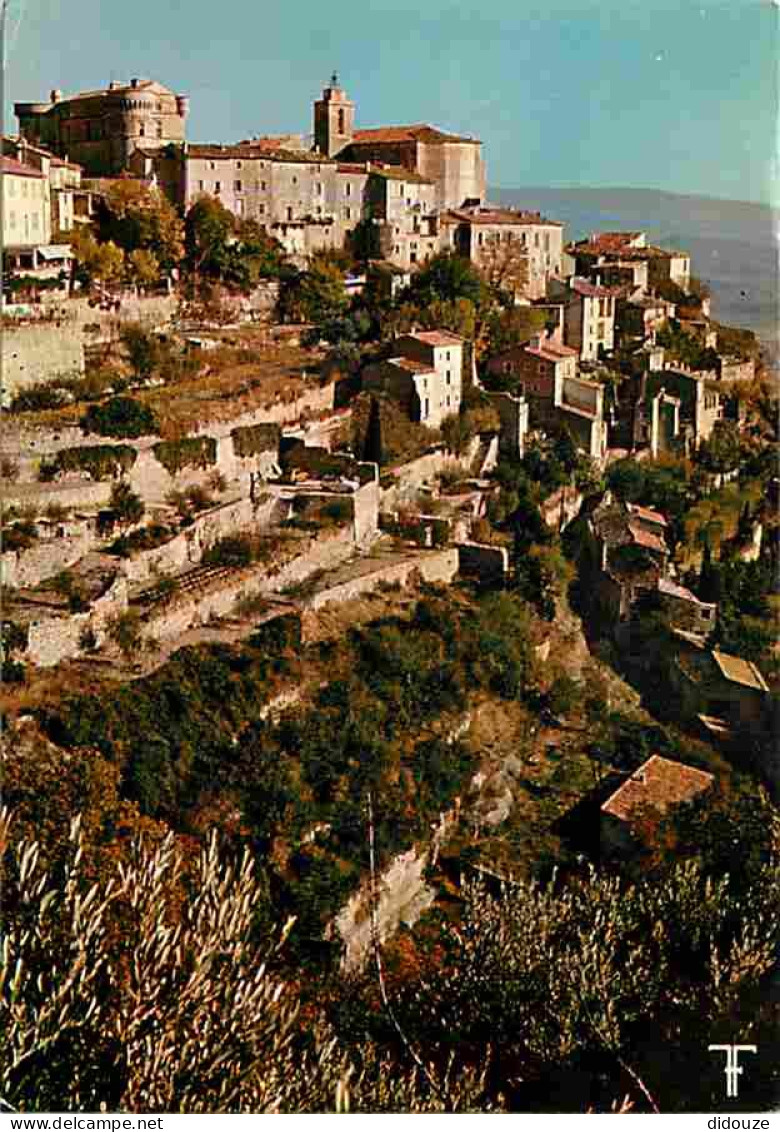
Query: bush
x=120 y=416
x=100 y=461
x=12 y=672
x=233 y=550
x=20 y=536
x=190 y=452
x=127 y=506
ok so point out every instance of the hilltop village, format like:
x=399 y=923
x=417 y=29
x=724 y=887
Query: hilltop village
x=325 y=480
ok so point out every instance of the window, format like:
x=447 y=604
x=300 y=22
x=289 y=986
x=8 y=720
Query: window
x=448 y=402
x=547 y=241
x=342 y=122
x=601 y=330
x=159 y=130
x=449 y=376
x=35 y=221
x=212 y=164
x=318 y=188
x=348 y=189
x=289 y=213
x=24 y=188
x=408 y=202
x=261 y=209
x=12 y=218
x=217 y=186
x=295 y=180
x=447 y=355
x=238 y=165
x=238 y=186
x=536 y=239
x=262 y=186
x=201 y=185
x=142 y=130
x=348 y=213
x=427 y=407
x=239 y=208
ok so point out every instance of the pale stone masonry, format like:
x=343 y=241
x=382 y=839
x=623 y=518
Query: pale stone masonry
x=425 y=376
x=589 y=319
x=503 y=239
x=100 y=129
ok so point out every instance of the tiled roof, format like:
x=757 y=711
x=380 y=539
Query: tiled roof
x=658 y=785
x=351 y=167
x=420 y=132
x=739 y=671
x=9 y=165
x=606 y=242
x=551 y=353
x=437 y=338
x=673 y=589
x=644 y=538
x=411 y=366
x=249 y=150
x=496 y=216
x=398 y=173
x=648 y=514
x=591 y=290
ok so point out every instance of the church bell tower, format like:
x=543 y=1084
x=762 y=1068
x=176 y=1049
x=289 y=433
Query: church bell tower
x=334 y=119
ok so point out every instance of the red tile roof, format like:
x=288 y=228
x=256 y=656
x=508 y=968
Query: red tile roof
x=259 y=152
x=607 y=241
x=9 y=165
x=551 y=353
x=658 y=785
x=437 y=338
x=411 y=366
x=591 y=290
x=739 y=671
x=496 y=216
x=647 y=513
x=421 y=132
x=644 y=538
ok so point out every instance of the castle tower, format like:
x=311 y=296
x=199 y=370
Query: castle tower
x=334 y=119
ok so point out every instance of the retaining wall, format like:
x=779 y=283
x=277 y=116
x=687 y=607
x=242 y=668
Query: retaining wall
x=54 y=639
x=47 y=557
x=434 y=566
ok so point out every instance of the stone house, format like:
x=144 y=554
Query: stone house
x=589 y=315
x=425 y=376
x=654 y=790
x=26 y=213
x=626 y=555
x=717 y=686
x=100 y=129
x=497 y=238
x=684 y=610
x=611 y=248
x=641 y=316
x=69 y=203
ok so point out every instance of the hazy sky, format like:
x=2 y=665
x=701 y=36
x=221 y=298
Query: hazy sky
x=671 y=94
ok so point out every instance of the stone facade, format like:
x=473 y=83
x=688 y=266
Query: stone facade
x=589 y=319
x=520 y=249
x=100 y=129
x=26 y=210
x=426 y=377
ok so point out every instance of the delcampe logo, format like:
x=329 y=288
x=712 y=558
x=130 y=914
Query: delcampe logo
x=733 y=1068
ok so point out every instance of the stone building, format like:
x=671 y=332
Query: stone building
x=426 y=376
x=69 y=203
x=100 y=129
x=589 y=315
x=656 y=788
x=26 y=213
x=608 y=249
x=523 y=247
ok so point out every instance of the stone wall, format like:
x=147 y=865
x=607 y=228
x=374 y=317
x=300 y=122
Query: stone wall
x=186 y=611
x=187 y=548
x=38 y=352
x=55 y=639
x=513 y=415
x=430 y=566
x=84 y=495
x=478 y=560
x=47 y=557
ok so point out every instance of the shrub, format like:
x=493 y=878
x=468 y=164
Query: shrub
x=127 y=506
x=337 y=511
x=100 y=461
x=190 y=452
x=125 y=631
x=12 y=672
x=254 y=439
x=9 y=469
x=233 y=550
x=20 y=536
x=121 y=416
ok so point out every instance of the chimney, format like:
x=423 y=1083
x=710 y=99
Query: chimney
x=56 y=96
x=134 y=83
x=114 y=85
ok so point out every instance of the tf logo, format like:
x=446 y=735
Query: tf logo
x=733 y=1068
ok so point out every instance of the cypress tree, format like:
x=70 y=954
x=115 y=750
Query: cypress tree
x=372 y=448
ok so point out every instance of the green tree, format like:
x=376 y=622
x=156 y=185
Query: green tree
x=209 y=232
x=127 y=506
x=137 y=218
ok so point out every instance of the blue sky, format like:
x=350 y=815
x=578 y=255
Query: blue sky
x=671 y=94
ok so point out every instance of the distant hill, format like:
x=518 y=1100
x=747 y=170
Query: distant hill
x=733 y=243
